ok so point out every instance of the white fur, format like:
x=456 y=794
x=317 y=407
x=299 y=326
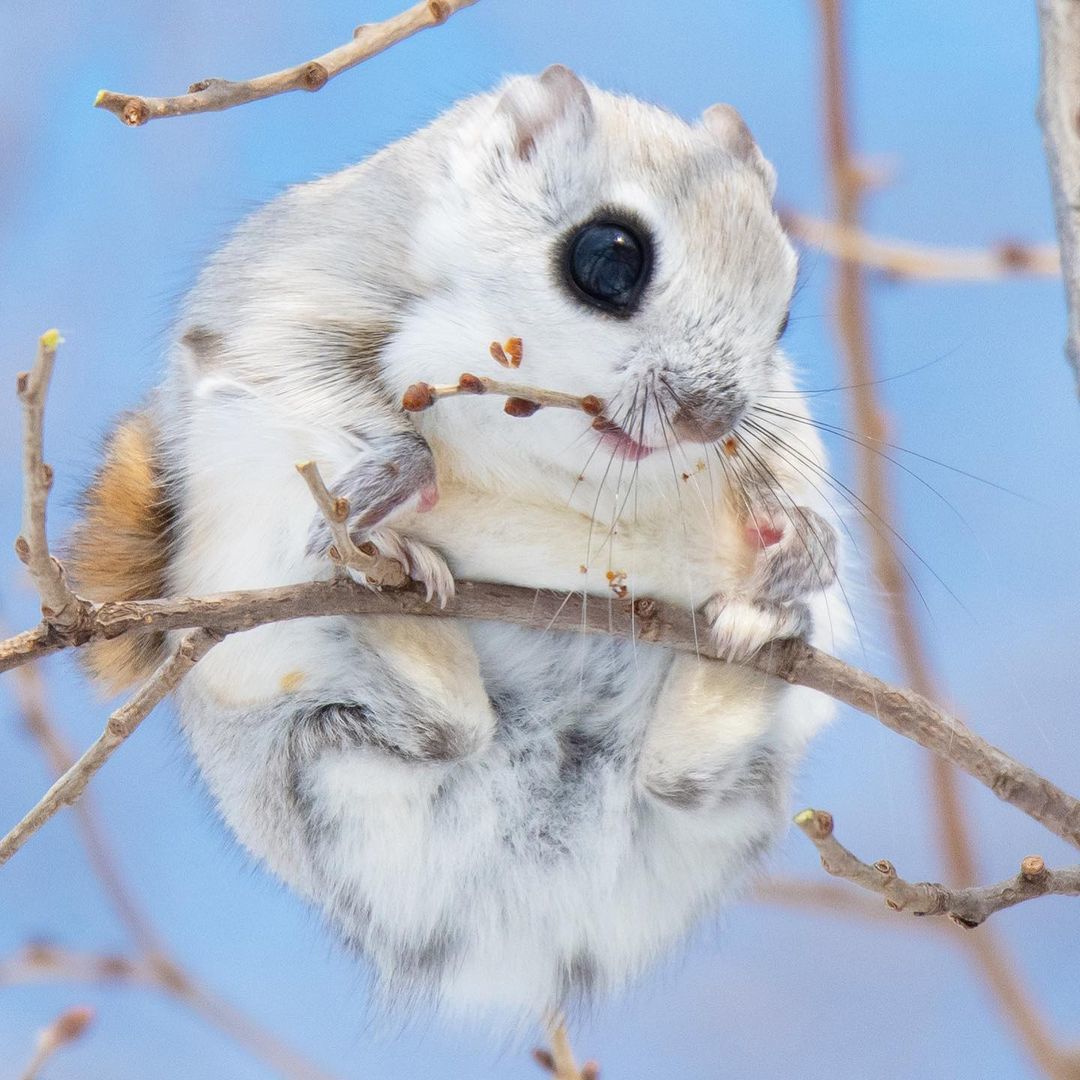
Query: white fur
x=448 y=239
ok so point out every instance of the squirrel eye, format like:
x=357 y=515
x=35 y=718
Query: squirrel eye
x=607 y=264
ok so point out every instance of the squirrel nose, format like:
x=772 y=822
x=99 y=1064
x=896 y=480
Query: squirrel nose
x=692 y=426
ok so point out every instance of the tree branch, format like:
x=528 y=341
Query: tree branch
x=1059 y=114
x=377 y=569
x=213 y=95
x=119 y=726
x=922 y=262
x=968 y=907
x=559 y=1060
x=644 y=620
x=43 y=963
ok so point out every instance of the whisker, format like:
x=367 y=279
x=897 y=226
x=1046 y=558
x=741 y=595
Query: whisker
x=866 y=440
x=682 y=515
x=762 y=465
x=866 y=512
x=872 y=382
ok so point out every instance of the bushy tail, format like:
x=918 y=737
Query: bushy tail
x=119 y=548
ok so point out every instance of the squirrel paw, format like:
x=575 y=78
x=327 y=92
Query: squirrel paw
x=422 y=563
x=740 y=627
x=796 y=557
x=395 y=475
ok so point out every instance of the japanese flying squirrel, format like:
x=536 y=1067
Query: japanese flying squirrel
x=500 y=819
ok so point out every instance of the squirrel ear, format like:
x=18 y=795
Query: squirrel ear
x=728 y=128
x=536 y=106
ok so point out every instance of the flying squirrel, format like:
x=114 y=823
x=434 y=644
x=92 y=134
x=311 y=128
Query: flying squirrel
x=501 y=820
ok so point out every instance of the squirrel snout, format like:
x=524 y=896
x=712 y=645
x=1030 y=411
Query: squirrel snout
x=700 y=425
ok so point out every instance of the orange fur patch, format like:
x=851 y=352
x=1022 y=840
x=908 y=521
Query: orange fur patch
x=119 y=549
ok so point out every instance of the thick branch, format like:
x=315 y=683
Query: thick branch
x=213 y=95
x=968 y=907
x=922 y=262
x=118 y=727
x=1059 y=114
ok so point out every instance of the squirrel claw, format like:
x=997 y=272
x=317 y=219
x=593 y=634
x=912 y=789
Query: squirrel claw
x=422 y=563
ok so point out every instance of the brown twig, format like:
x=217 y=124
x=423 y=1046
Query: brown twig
x=30 y=693
x=559 y=1059
x=119 y=726
x=848 y=185
x=922 y=262
x=520 y=400
x=378 y=570
x=1059 y=114
x=213 y=95
x=66 y=1028
x=968 y=907
x=59 y=605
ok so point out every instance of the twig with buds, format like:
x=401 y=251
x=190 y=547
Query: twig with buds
x=968 y=907
x=520 y=400
x=212 y=95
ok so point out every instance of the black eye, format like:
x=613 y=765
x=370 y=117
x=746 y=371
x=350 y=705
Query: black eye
x=607 y=264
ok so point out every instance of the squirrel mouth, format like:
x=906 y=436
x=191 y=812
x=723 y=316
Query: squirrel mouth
x=613 y=436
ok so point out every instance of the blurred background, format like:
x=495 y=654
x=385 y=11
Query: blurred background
x=102 y=229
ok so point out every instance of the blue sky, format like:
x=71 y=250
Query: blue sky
x=101 y=230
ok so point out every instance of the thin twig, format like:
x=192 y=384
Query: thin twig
x=968 y=907
x=59 y=605
x=30 y=693
x=66 y=1028
x=922 y=262
x=378 y=570
x=119 y=726
x=559 y=1059
x=213 y=95
x=521 y=400
x=1059 y=114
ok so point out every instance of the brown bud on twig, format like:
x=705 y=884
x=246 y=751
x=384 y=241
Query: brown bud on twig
x=522 y=400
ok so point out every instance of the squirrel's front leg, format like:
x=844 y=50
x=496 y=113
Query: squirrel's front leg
x=434 y=704
x=715 y=734
x=394 y=475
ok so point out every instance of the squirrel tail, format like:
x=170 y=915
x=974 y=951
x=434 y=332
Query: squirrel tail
x=119 y=547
